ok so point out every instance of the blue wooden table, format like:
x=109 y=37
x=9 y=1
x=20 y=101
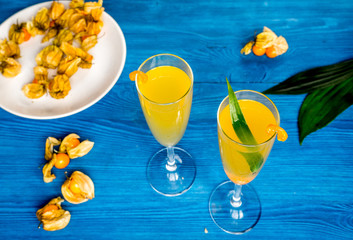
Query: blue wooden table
x=305 y=191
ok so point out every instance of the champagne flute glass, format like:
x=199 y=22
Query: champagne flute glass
x=234 y=205
x=165 y=99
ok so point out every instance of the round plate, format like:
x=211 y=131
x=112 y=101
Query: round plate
x=88 y=86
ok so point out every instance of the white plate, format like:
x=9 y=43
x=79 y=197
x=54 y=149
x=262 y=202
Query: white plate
x=88 y=86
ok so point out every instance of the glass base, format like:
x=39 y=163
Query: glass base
x=171 y=181
x=234 y=219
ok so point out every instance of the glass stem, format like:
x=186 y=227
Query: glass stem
x=171 y=166
x=235 y=200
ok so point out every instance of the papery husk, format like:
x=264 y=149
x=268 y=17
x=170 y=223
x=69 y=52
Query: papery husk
x=64 y=19
x=81 y=150
x=77 y=4
x=72 y=51
x=77 y=22
x=96 y=13
x=78 y=37
x=10 y=67
x=89 y=42
x=266 y=38
x=34 y=90
x=59 y=87
x=33 y=30
x=49 y=57
x=41 y=21
x=55 y=219
x=94 y=28
x=47 y=175
x=69 y=66
x=16 y=33
x=280 y=45
x=41 y=75
x=64 y=146
x=9 y=49
x=52 y=32
x=64 y=35
x=86 y=65
x=50 y=143
x=56 y=10
x=89 y=6
x=247 y=48
x=85 y=184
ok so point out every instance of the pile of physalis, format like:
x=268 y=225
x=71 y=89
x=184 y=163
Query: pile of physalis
x=78 y=25
x=77 y=188
x=267 y=43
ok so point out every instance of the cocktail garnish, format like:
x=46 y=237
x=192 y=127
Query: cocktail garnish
x=139 y=76
x=242 y=130
x=281 y=133
x=240 y=126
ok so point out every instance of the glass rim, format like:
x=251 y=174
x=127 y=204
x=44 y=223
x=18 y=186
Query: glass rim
x=179 y=99
x=239 y=143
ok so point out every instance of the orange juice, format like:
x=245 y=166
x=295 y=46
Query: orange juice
x=233 y=153
x=166 y=103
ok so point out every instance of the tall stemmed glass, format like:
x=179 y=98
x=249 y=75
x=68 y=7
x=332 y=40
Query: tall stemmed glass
x=234 y=205
x=166 y=99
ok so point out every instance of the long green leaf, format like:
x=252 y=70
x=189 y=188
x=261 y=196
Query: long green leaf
x=315 y=78
x=322 y=106
x=242 y=130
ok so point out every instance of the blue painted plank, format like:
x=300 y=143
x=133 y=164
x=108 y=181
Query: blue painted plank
x=305 y=190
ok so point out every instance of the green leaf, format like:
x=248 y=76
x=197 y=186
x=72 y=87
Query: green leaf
x=322 y=106
x=315 y=78
x=242 y=130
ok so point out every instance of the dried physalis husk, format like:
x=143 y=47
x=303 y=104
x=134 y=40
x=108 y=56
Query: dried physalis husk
x=52 y=31
x=9 y=49
x=82 y=149
x=78 y=188
x=10 y=67
x=40 y=75
x=280 y=45
x=94 y=27
x=64 y=19
x=42 y=20
x=77 y=22
x=66 y=144
x=64 y=35
x=266 y=38
x=247 y=48
x=89 y=6
x=69 y=66
x=47 y=175
x=77 y=4
x=59 y=87
x=88 y=42
x=49 y=57
x=56 y=10
x=17 y=33
x=34 y=90
x=52 y=216
x=86 y=65
x=72 y=51
x=96 y=13
x=50 y=143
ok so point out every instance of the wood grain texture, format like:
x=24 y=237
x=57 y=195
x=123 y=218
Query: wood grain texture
x=305 y=191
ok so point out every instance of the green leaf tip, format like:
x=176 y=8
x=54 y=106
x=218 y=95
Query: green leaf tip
x=242 y=130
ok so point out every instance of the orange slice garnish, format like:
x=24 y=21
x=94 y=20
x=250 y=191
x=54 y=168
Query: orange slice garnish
x=281 y=133
x=139 y=76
